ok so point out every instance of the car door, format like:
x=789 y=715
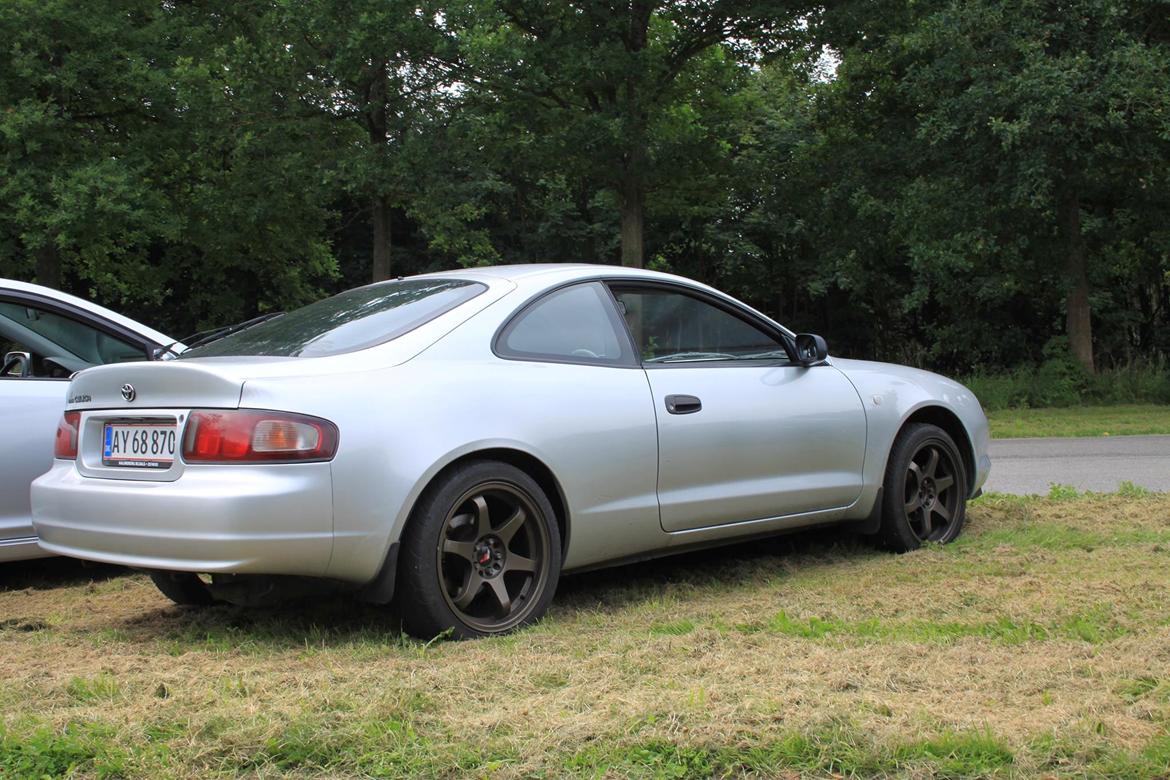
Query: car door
x=744 y=433
x=57 y=342
x=583 y=398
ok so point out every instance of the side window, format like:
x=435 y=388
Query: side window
x=60 y=345
x=573 y=325
x=672 y=327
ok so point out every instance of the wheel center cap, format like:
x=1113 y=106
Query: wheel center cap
x=489 y=556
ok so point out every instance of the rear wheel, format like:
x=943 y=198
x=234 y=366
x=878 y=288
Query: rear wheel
x=183 y=587
x=925 y=490
x=481 y=554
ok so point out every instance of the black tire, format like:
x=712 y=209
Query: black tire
x=183 y=588
x=481 y=554
x=924 y=496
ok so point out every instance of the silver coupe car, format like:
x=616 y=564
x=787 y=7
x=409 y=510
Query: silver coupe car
x=455 y=441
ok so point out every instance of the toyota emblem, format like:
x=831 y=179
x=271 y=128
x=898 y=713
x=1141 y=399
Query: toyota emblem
x=128 y=392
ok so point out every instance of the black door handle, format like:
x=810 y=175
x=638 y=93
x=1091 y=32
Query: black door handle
x=683 y=404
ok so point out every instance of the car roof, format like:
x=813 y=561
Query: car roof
x=87 y=306
x=535 y=276
x=563 y=271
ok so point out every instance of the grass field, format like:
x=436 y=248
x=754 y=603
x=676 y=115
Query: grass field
x=1123 y=420
x=1037 y=645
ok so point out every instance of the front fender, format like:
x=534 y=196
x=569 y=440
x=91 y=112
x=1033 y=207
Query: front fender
x=896 y=395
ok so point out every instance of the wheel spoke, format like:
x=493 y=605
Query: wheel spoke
x=913 y=504
x=519 y=563
x=465 y=550
x=916 y=472
x=942 y=483
x=932 y=462
x=483 y=520
x=500 y=590
x=513 y=524
x=470 y=591
x=941 y=510
x=927 y=527
x=459 y=521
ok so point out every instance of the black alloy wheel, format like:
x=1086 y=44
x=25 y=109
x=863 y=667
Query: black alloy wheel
x=493 y=559
x=492 y=555
x=931 y=493
x=925 y=489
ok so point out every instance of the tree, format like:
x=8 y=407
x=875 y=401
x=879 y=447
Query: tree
x=153 y=160
x=369 y=63
x=598 y=75
x=1033 y=124
x=79 y=97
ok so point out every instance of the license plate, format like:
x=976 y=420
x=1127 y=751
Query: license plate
x=141 y=445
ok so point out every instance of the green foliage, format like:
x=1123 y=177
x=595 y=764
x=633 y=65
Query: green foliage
x=898 y=177
x=1096 y=626
x=954 y=754
x=963 y=133
x=82 y=689
x=1059 y=492
x=44 y=752
x=673 y=628
x=1050 y=536
x=1061 y=382
x=1131 y=490
x=836 y=750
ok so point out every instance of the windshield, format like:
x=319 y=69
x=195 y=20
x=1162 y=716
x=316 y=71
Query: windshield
x=355 y=319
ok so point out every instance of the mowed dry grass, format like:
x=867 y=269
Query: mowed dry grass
x=1038 y=645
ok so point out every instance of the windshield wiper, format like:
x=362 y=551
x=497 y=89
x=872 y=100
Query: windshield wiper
x=214 y=334
x=691 y=357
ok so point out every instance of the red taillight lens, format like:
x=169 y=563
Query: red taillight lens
x=239 y=435
x=66 y=446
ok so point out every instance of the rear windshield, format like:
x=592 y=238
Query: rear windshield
x=353 y=320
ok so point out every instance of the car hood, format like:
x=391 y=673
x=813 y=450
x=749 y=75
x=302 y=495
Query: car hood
x=864 y=368
x=904 y=388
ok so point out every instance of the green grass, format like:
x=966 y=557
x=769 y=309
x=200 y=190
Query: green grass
x=388 y=749
x=1031 y=647
x=1096 y=626
x=104 y=686
x=1126 y=420
x=834 y=750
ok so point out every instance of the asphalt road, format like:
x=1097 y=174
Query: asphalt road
x=1032 y=465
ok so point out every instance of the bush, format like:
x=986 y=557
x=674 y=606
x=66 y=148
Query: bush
x=1060 y=381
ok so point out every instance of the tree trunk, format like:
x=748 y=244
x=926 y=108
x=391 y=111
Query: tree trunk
x=1079 y=317
x=633 y=192
x=632 y=205
x=49 y=266
x=380 y=266
x=377 y=106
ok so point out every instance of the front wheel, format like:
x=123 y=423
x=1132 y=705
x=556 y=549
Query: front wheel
x=924 y=496
x=481 y=554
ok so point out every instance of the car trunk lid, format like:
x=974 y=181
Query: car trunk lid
x=165 y=384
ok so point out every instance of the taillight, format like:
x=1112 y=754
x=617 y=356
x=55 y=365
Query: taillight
x=234 y=436
x=66 y=445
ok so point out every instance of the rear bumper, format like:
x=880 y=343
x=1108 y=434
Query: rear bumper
x=254 y=519
x=22 y=549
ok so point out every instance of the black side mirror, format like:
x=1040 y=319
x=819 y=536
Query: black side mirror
x=811 y=349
